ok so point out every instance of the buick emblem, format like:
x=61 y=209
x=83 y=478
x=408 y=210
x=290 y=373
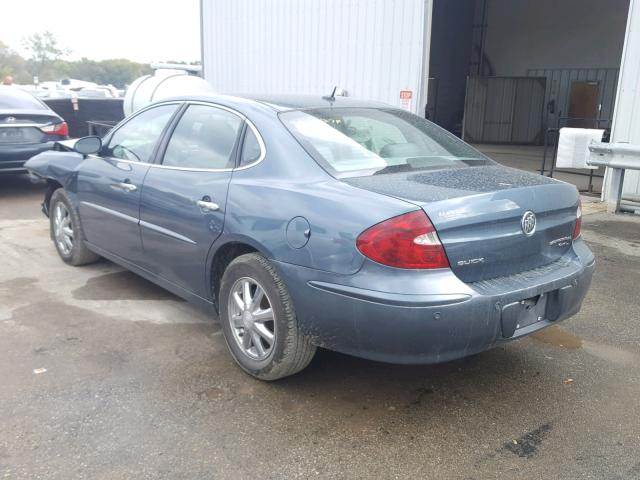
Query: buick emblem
x=528 y=223
x=10 y=119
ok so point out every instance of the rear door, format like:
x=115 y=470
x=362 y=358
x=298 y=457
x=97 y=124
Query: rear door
x=183 y=201
x=109 y=184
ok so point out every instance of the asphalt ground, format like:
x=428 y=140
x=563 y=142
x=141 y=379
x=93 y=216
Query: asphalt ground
x=103 y=375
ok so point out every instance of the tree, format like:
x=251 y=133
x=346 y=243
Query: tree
x=12 y=64
x=121 y=72
x=118 y=72
x=45 y=51
x=47 y=63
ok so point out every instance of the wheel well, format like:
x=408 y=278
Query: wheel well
x=223 y=257
x=52 y=186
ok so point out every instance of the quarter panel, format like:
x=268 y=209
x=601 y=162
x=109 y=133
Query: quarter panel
x=261 y=206
x=288 y=183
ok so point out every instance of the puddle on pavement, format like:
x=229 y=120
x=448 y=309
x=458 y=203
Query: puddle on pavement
x=611 y=354
x=121 y=286
x=554 y=335
x=561 y=338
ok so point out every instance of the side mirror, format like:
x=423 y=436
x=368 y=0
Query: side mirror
x=88 y=145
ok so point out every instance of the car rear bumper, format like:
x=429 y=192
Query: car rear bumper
x=14 y=156
x=367 y=315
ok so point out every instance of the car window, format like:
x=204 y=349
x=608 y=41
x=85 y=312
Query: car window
x=137 y=138
x=352 y=142
x=251 y=150
x=205 y=137
x=12 y=98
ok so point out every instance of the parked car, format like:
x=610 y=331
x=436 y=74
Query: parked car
x=322 y=222
x=27 y=127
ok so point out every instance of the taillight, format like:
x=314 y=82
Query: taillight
x=406 y=241
x=578 y=227
x=61 y=129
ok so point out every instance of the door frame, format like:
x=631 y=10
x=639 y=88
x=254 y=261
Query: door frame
x=173 y=123
x=158 y=157
x=107 y=138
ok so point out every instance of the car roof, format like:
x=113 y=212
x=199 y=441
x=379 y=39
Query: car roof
x=17 y=93
x=297 y=102
x=282 y=102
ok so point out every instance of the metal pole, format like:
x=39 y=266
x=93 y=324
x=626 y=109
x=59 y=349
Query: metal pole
x=485 y=9
x=544 y=152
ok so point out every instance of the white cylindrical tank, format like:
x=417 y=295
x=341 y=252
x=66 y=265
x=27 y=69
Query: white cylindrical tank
x=164 y=83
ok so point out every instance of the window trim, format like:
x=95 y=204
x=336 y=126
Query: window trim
x=240 y=139
x=338 y=175
x=125 y=121
x=166 y=136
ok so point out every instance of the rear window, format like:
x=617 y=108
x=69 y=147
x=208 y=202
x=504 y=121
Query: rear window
x=12 y=98
x=355 y=142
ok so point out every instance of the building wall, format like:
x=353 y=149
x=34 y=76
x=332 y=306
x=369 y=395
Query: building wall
x=451 y=33
x=544 y=34
x=626 y=120
x=371 y=48
x=559 y=81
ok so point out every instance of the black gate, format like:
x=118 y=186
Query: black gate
x=504 y=110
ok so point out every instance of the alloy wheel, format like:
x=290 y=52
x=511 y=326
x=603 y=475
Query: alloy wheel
x=63 y=228
x=252 y=318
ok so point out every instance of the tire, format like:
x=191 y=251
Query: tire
x=290 y=351
x=72 y=250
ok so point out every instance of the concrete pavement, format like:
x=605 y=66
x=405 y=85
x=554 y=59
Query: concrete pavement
x=105 y=376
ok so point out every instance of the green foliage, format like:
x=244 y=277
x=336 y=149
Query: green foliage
x=45 y=52
x=118 y=72
x=13 y=64
x=45 y=61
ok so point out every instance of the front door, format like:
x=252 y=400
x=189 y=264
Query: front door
x=109 y=184
x=584 y=104
x=183 y=199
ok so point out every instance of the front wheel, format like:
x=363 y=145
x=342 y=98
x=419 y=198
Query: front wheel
x=66 y=231
x=259 y=322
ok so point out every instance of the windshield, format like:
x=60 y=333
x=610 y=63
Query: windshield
x=356 y=142
x=13 y=98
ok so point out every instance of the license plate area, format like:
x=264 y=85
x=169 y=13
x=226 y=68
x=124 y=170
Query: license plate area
x=523 y=313
x=11 y=135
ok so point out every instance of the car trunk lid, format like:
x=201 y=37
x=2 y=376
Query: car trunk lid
x=478 y=214
x=23 y=126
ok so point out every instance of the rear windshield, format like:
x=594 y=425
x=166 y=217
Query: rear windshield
x=12 y=98
x=357 y=142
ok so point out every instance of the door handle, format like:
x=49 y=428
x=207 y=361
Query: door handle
x=127 y=187
x=207 y=206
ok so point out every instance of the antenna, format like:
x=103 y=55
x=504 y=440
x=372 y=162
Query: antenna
x=331 y=97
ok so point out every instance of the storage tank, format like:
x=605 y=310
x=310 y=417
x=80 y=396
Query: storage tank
x=166 y=81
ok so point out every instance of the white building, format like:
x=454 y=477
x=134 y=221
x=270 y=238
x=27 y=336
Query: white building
x=499 y=71
x=626 y=121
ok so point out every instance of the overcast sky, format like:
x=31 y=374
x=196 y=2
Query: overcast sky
x=140 y=30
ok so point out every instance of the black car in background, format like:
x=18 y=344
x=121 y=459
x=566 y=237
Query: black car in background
x=27 y=127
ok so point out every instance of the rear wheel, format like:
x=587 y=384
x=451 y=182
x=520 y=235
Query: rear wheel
x=66 y=231
x=259 y=322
